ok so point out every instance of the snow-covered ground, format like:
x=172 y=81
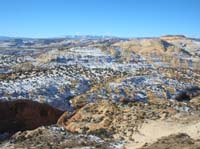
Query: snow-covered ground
x=58 y=74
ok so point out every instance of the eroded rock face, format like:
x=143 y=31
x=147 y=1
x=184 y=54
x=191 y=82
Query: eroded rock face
x=120 y=121
x=149 y=46
x=26 y=114
x=90 y=118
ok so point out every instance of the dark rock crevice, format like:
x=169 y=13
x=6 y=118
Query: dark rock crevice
x=188 y=94
x=23 y=115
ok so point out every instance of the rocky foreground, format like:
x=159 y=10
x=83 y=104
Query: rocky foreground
x=108 y=125
x=102 y=93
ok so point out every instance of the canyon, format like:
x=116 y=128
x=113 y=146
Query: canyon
x=100 y=92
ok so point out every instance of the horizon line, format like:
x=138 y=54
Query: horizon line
x=93 y=35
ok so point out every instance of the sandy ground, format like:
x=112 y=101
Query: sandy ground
x=153 y=130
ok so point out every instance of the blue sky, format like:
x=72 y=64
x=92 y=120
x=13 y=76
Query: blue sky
x=125 y=18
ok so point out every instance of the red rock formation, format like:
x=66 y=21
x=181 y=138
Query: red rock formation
x=26 y=114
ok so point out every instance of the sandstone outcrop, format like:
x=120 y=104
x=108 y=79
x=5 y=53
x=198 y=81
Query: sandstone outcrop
x=120 y=121
x=146 y=46
x=90 y=118
x=172 y=37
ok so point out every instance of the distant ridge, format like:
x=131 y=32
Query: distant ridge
x=95 y=37
x=180 y=36
x=61 y=37
x=5 y=38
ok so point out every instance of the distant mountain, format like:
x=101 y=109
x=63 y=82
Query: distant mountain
x=5 y=38
x=89 y=36
x=50 y=38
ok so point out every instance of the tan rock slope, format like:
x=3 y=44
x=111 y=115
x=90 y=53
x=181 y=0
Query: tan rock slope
x=138 y=123
x=90 y=118
x=173 y=51
x=152 y=45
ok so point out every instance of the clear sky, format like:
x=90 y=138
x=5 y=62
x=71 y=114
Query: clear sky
x=125 y=18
